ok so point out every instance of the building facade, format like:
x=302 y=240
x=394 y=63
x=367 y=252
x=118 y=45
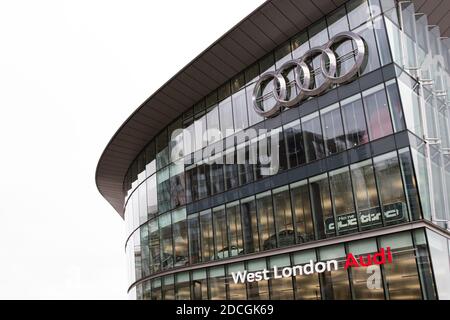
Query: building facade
x=362 y=163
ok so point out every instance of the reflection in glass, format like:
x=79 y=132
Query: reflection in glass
x=199 y=285
x=220 y=232
x=312 y=136
x=236 y=291
x=217 y=283
x=307 y=286
x=194 y=238
x=166 y=241
x=234 y=229
x=390 y=186
x=295 y=151
x=258 y=290
x=180 y=237
x=335 y=283
x=267 y=236
x=281 y=288
x=301 y=205
x=377 y=111
x=183 y=291
x=283 y=217
x=343 y=204
x=333 y=131
x=321 y=206
x=250 y=225
x=207 y=239
x=354 y=121
x=366 y=195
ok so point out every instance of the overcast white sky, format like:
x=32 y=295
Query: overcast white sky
x=70 y=73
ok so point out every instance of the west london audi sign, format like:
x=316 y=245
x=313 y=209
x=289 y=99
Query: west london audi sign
x=383 y=256
x=289 y=92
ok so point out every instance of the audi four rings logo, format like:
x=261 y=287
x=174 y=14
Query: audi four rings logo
x=305 y=85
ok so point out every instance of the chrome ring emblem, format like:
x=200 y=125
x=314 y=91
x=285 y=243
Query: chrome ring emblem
x=288 y=93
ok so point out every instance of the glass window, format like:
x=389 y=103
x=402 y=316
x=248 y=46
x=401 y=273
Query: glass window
x=335 y=283
x=199 y=285
x=390 y=188
x=168 y=288
x=177 y=184
x=395 y=105
x=245 y=169
x=372 y=60
x=307 y=286
x=180 y=237
x=377 y=111
x=253 y=117
x=203 y=180
x=145 y=250
x=354 y=121
x=220 y=232
x=300 y=45
x=321 y=206
x=162 y=177
x=237 y=291
x=281 y=288
x=194 y=238
x=411 y=104
x=283 y=217
x=301 y=205
x=226 y=117
x=367 y=282
x=267 y=236
x=216 y=174
x=318 y=36
x=142 y=190
x=382 y=40
x=217 y=283
x=250 y=225
x=358 y=12
x=402 y=280
x=420 y=164
x=312 y=137
x=156 y=289
x=234 y=229
x=166 y=241
x=231 y=169
x=441 y=265
x=423 y=260
x=183 y=291
x=240 y=117
x=152 y=197
x=295 y=150
x=333 y=131
x=257 y=290
x=212 y=119
x=410 y=183
x=207 y=239
x=366 y=195
x=343 y=204
x=155 y=248
x=337 y=22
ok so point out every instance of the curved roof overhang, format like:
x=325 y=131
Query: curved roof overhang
x=268 y=26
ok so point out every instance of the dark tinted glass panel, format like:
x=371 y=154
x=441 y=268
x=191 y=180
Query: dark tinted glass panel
x=410 y=183
x=295 y=151
x=163 y=180
x=321 y=206
x=216 y=173
x=177 y=185
x=250 y=225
